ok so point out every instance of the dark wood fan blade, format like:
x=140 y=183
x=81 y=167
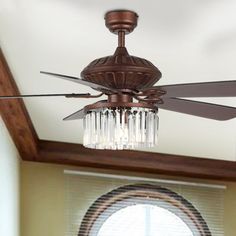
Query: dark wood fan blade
x=201 y=109
x=80 y=114
x=69 y=95
x=209 y=89
x=75 y=116
x=83 y=82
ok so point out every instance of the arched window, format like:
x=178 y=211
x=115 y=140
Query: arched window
x=142 y=210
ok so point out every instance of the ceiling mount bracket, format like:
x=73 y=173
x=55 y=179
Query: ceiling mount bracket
x=121 y=21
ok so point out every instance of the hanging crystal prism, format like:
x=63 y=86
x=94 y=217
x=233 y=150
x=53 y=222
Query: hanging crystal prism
x=120 y=128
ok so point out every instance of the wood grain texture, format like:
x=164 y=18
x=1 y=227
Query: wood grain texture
x=15 y=115
x=146 y=162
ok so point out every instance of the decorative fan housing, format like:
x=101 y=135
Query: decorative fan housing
x=122 y=71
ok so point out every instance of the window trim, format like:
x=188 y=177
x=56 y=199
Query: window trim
x=143 y=191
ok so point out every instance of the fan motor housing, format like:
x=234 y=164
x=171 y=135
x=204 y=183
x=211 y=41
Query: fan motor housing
x=122 y=71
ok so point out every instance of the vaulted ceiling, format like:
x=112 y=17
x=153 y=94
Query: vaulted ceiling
x=189 y=41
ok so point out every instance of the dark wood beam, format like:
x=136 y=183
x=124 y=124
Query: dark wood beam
x=15 y=115
x=146 y=162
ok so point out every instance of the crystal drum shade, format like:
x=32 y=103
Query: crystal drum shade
x=120 y=128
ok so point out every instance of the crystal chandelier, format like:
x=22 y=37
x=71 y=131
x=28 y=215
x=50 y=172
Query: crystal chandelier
x=120 y=128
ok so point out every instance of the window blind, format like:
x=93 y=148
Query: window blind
x=86 y=191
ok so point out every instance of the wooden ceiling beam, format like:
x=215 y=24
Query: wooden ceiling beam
x=15 y=115
x=139 y=161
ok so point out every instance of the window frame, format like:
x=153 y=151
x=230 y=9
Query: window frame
x=149 y=193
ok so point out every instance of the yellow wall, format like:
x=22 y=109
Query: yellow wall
x=230 y=210
x=42 y=200
x=43 y=205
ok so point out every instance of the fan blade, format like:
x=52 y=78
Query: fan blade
x=80 y=114
x=71 y=95
x=83 y=82
x=201 y=109
x=76 y=115
x=209 y=89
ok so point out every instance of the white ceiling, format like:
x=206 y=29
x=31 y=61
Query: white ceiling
x=190 y=41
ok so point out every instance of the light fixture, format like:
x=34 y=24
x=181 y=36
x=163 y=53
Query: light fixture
x=120 y=128
x=119 y=122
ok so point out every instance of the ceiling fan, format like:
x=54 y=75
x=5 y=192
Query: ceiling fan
x=121 y=123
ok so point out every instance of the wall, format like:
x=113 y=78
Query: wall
x=43 y=205
x=230 y=209
x=42 y=200
x=9 y=185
